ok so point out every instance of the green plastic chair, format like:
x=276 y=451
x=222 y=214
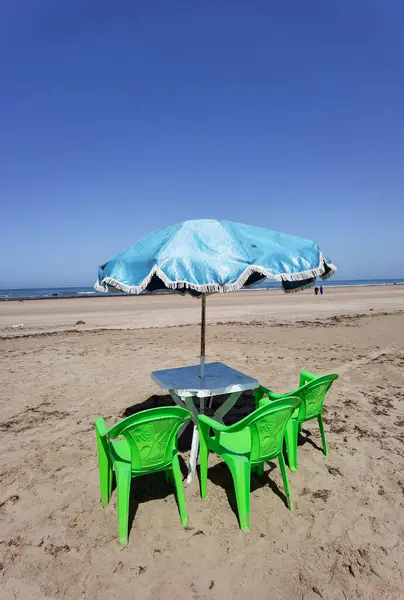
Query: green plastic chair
x=312 y=392
x=247 y=445
x=143 y=443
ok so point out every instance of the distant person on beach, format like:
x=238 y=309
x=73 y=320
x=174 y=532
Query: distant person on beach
x=321 y=290
x=316 y=290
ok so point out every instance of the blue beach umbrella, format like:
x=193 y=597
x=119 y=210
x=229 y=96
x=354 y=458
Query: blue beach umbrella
x=206 y=256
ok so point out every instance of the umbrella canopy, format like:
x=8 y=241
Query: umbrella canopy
x=206 y=256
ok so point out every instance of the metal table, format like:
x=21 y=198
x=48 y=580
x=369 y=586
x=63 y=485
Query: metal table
x=185 y=384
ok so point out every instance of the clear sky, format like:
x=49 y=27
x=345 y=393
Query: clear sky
x=120 y=117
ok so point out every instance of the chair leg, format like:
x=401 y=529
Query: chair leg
x=259 y=469
x=291 y=443
x=241 y=473
x=203 y=465
x=285 y=480
x=106 y=475
x=193 y=459
x=180 y=491
x=300 y=428
x=123 y=481
x=322 y=432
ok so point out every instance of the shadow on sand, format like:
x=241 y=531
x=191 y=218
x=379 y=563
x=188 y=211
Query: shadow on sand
x=152 y=487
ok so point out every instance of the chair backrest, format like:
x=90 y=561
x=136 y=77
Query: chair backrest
x=313 y=395
x=152 y=436
x=267 y=427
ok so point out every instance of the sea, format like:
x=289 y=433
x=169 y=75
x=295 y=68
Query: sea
x=88 y=292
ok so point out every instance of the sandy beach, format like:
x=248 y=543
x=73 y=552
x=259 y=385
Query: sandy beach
x=345 y=538
x=135 y=312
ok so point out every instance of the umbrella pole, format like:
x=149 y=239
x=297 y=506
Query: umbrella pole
x=203 y=332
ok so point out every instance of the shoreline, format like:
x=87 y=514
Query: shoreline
x=83 y=295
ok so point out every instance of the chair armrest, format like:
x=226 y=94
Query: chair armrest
x=205 y=420
x=306 y=377
x=264 y=402
x=205 y=423
x=271 y=395
x=101 y=427
x=101 y=433
x=262 y=391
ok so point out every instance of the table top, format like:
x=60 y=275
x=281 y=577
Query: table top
x=218 y=379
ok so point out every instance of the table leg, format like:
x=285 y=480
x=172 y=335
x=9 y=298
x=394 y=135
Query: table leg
x=188 y=403
x=195 y=445
x=180 y=402
x=226 y=406
x=194 y=455
x=183 y=427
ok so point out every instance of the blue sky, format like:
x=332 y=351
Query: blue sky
x=117 y=118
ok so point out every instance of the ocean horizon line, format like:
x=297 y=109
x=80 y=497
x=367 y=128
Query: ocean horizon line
x=37 y=293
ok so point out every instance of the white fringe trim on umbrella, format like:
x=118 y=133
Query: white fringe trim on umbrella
x=216 y=287
x=330 y=273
